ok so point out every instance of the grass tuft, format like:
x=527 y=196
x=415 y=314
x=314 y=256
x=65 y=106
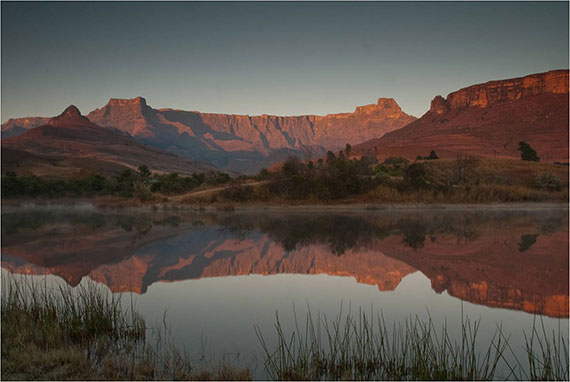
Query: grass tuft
x=64 y=333
x=365 y=348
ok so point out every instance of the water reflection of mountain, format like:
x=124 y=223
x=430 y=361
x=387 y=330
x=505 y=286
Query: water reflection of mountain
x=516 y=259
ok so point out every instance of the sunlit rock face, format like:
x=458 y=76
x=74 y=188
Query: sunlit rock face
x=253 y=141
x=439 y=105
x=240 y=142
x=488 y=120
x=497 y=92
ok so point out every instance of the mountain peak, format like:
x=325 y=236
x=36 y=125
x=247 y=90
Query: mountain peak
x=388 y=103
x=138 y=101
x=71 y=115
x=386 y=106
x=71 y=111
x=439 y=105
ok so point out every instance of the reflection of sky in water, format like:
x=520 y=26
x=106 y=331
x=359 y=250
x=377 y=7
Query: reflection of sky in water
x=205 y=256
x=217 y=315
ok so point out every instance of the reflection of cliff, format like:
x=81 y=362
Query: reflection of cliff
x=70 y=245
x=223 y=257
x=228 y=257
x=493 y=271
x=516 y=260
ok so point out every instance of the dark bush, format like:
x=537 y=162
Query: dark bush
x=338 y=177
x=527 y=152
x=415 y=176
x=432 y=155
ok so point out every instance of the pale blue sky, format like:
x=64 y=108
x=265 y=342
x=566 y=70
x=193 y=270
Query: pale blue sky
x=273 y=58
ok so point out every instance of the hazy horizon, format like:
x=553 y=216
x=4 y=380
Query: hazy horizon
x=268 y=58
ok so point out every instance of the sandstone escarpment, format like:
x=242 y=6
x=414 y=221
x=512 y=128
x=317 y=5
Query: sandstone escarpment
x=241 y=142
x=488 y=120
x=496 y=92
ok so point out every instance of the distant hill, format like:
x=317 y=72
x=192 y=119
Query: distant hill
x=488 y=120
x=239 y=142
x=70 y=142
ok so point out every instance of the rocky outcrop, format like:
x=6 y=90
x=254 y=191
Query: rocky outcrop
x=488 y=120
x=497 y=92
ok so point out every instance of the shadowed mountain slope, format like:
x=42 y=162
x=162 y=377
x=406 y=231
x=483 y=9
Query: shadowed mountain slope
x=70 y=142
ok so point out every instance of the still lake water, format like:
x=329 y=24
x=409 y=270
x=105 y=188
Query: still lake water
x=216 y=275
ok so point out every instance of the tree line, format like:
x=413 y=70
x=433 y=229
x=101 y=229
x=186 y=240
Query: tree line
x=139 y=184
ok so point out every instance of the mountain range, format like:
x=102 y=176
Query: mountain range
x=484 y=120
x=239 y=143
x=70 y=143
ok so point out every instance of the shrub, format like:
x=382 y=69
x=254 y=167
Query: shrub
x=415 y=176
x=463 y=168
x=264 y=174
x=432 y=155
x=527 y=152
x=142 y=191
x=396 y=161
x=548 y=181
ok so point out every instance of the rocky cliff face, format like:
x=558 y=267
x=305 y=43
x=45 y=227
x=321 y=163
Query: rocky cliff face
x=247 y=143
x=488 y=120
x=497 y=92
x=240 y=142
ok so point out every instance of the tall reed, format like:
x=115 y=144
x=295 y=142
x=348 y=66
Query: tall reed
x=365 y=347
x=53 y=331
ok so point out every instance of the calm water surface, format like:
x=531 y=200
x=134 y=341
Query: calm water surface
x=217 y=274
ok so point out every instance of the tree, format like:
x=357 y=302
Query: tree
x=144 y=172
x=432 y=155
x=264 y=173
x=347 y=150
x=330 y=157
x=527 y=152
x=464 y=167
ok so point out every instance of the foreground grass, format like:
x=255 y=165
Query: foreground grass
x=84 y=334
x=365 y=349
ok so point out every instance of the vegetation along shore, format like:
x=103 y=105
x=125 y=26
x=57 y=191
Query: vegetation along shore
x=337 y=179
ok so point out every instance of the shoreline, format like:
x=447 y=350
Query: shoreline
x=268 y=207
